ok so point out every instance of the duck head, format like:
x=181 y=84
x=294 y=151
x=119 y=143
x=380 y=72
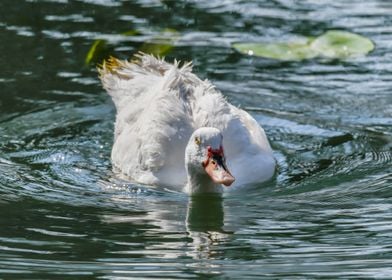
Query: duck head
x=205 y=162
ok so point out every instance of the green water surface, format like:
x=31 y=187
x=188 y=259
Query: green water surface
x=65 y=215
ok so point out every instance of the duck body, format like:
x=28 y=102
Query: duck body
x=159 y=106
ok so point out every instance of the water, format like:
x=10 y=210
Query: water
x=63 y=213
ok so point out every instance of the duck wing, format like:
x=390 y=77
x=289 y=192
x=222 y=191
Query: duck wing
x=153 y=122
x=248 y=152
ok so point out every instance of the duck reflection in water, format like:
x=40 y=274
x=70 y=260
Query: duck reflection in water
x=200 y=218
x=205 y=213
x=205 y=225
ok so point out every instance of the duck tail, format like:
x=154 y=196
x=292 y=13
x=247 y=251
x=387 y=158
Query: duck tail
x=112 y=72
x=123 y=78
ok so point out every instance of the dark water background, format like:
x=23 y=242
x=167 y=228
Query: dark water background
x=326 y=215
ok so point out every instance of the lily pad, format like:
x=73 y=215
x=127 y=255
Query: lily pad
x=342 y=44
x=280 y=51
x=332 y=44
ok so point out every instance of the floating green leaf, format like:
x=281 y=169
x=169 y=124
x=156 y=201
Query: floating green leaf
x=131 y=33
x=332 y=44
x=342 y=44
x=280 y=51
x=100 y=49
x=161 y=44
x=96 y=50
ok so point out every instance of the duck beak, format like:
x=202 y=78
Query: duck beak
x=216 y=168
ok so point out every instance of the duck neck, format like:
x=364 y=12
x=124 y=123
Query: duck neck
x=201 y=183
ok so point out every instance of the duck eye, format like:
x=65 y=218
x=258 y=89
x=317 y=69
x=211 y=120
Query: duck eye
x=197 y=140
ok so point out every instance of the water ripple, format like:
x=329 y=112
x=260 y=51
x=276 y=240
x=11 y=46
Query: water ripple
x=66 y=214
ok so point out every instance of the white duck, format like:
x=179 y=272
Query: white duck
x=171 y=128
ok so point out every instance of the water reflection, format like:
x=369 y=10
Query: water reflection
x=205 y=213
x=328 y=212
x=171 y=229
x=205 y=224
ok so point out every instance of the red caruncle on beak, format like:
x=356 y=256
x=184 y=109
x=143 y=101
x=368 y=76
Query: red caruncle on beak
x=215 y=167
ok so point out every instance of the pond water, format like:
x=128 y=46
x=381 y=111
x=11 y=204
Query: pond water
x=65 y=215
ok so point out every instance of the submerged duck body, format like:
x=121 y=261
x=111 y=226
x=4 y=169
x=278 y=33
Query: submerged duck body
x=164 y=112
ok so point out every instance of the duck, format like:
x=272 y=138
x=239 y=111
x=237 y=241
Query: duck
x=176 y=130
